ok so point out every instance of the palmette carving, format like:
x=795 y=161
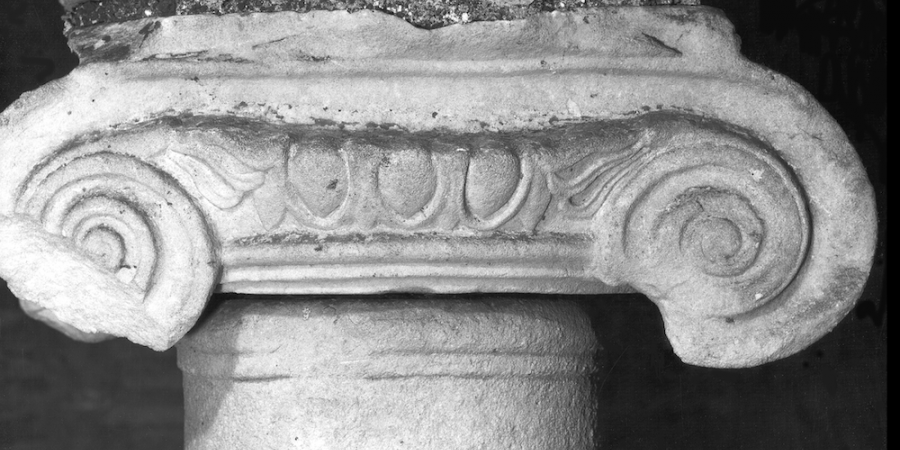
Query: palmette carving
x=708 y=214
x=219 y=177
x=712 y=197
x=677 y=207
x=579 y=164
x=729 y=225
x=344 y=182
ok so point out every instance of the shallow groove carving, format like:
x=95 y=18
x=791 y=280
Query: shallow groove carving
x=139 y=232
x=622 y=148
x=714 y=219
x=697 y=214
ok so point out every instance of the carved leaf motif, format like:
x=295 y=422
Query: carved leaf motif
x=590 y=181
x=223 y=180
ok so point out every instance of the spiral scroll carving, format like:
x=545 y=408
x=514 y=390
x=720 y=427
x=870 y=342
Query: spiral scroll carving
x=137 y=225
x=712 y=226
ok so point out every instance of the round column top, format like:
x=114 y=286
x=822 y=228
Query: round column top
x=390 y=337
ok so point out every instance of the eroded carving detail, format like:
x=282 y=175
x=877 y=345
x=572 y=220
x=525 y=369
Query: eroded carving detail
x=331 y=180
x=320 y=176
x=520 y=172
x=714 y=218
x=218 y=176
x=407 y=182
x=678 y=207
x=492 y=177
x=587 y=183
x=347 y=182
x=127 y=225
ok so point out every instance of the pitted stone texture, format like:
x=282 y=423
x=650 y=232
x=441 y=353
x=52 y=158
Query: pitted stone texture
x=450 y=374
x=678 y=215
x=138 y=263
x=421 y=13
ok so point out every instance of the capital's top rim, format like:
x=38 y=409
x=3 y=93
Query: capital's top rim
x=428 y=14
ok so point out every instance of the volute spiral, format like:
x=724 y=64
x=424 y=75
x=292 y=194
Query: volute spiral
x=710 y=223
x=138 y=226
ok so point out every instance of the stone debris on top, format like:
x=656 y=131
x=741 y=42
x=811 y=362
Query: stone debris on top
x=421 y=13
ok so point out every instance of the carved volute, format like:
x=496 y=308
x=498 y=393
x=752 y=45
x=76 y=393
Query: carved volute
x=624 y=149
x=386 y=199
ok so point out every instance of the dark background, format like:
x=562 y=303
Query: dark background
x=59 y=394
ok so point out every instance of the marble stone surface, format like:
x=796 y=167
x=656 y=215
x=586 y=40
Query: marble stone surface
x=352 y=373
x=333 y=152
x=421 y=13
x=778 y=405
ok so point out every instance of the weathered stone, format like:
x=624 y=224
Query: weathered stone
x=136 y=261
x=360 y=374
x=579 y=152
x=421 y=13
x=583 y=152
x=94 y=12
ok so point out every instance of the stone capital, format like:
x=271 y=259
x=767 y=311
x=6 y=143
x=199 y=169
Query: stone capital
x=587 y=152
